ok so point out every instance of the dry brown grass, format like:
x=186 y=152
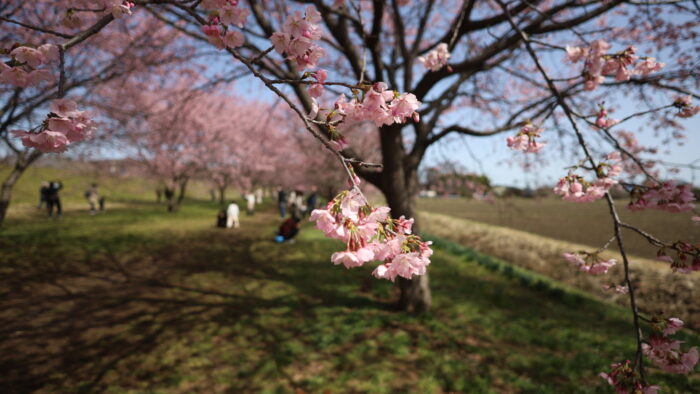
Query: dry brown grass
x=659 y=290
x=586 y=224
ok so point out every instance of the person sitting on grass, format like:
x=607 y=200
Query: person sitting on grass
x=221 y=219
x=288 y=230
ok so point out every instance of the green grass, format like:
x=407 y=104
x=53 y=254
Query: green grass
x=139 y=300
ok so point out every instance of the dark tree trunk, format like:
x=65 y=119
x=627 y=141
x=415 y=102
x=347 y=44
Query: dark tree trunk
x=222 y=196
x=23 y=161
x=399 y=184
x=181 y=191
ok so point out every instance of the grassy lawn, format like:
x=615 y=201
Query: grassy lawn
x=139 y=300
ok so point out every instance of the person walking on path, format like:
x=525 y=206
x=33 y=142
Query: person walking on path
x=282 y=202
x=43 y=193
x=93 y=198
x=232 y=213
x=53 y=199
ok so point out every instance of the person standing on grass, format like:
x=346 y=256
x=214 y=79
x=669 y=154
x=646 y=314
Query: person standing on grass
x=282 y=202
x=258 y=196
x=93 y=198
x=250 y=203
x=311 y=201
x=43 y=193
x=53 y=199
x=232 y=213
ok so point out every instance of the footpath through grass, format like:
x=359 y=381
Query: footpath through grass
x=139 y=300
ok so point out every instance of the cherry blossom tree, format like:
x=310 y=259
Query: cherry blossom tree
x=418 y=72
x=473 y=60
x=54 y=59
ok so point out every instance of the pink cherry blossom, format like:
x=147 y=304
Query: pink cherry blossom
x=28 y=55
x=122 y=9
x=598 y=63
x=64 y=107
x=672 y=325
x=575 y=54
x=14 y=76
x=233 y=15
x=648 y=66
x=668 y=197
x=281 y=41
x=233 y=39
x=297 y=37
x=665 y=353
x=46 y=141
x=404 y=106
x=316 y=90
x=370 y=234
x=589 y=262
x=603 y=121
x=351 y=259
x=685 y=107
x=437 y=58
x=625 y=380
x=525 y=139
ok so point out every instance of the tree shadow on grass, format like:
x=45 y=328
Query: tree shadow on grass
x=71 y=316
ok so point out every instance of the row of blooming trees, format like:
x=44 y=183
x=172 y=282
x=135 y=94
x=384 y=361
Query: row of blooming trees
x=548 y=73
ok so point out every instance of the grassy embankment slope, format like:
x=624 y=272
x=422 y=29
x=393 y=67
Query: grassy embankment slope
x=138 y=299
x=535 y=234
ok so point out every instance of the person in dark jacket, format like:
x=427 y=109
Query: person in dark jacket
x=282 y=202
x=311 y=201
x=288 y=229
x=43 y=193
x=221 y=219
x=53 y=199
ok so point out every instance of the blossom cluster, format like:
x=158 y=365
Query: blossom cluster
x=378 y=105
x=224 y=13
x=665 y=352
x=668 y=196
x=525 y=139
x=686 y=259
x=437 y=58
x=598 y=63
x=576 y=189
x=63 y=126
x=685 y=106
x=371 y=234
x=22 y=70
x=297 y=38
x=626 y=380
x=603 y=121
x=316 y=89
x=590 y=262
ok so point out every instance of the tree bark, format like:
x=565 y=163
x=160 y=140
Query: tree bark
x=181 y=191
x=23 y=161
x=222 y=196
x=400 y=186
